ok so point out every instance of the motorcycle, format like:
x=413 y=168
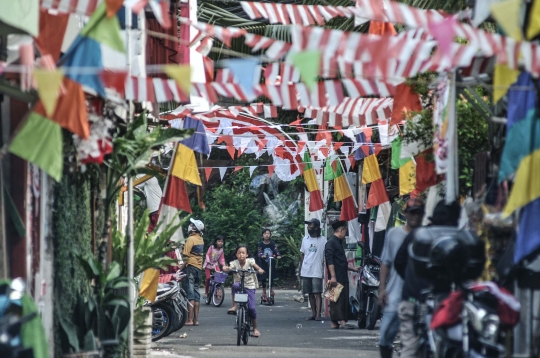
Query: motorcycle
x=470 y=320
x=367 y=290
x=169 y=310
x=11 y=321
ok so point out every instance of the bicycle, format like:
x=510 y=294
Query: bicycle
x=244 y=325
x=216 y=291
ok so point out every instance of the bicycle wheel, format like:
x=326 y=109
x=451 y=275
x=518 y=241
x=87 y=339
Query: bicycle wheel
x=208 y=298
x=218 y=295
x=240 y=324
x=247 y=331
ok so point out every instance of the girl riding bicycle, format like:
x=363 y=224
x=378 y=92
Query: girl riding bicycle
x=250 y=283
x=214 y=256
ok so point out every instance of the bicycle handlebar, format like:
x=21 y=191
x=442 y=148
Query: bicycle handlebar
x=241 y=271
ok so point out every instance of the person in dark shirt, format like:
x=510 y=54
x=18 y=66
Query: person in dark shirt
x=414 y=286
x=337 y=265
x=267 y=248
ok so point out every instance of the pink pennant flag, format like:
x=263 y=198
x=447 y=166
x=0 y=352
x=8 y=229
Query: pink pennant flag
x=222 y=171
x=208 y=171
x=271 y=170
x=352 y=161
x=444 y=33
x=237 y=168
x=338 y=145
x=251 y=170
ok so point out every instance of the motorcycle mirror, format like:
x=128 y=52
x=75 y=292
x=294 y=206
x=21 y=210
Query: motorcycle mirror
x=18 y=287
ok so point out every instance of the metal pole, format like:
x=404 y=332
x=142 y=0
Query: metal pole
x=130 y=248
x=452 y=173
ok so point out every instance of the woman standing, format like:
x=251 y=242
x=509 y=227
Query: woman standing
x=267 y=248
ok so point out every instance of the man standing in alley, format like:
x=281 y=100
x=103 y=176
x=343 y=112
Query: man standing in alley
x=312 y=267
x=337 y=265
x=193 y=260
x=391 y=283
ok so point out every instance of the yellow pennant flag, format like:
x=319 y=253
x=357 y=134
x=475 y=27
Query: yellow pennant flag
x=149 y=284
x=503 y=78
x=534 y=20
x=371 y=171
x=508 y=15
x=407 y=178
x=185 y=165
x=48 y=86
x=181 y=74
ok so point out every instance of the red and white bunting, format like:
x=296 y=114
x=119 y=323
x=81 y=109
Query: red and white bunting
x=359 y=112
x=275 y=48
x=81 y=7
x=277 y=73
x=143 y=89
x=396 y=12
x=306 y=15
x=224 y=75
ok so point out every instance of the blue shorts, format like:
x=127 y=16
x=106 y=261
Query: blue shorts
x=192 y=282
x=389 y=328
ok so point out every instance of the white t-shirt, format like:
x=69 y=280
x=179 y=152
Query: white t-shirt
x=313 y=250
x=394 y=286
x=153 y=193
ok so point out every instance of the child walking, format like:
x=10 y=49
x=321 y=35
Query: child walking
x=214 y=256
x=267 y=248
x=250 y=283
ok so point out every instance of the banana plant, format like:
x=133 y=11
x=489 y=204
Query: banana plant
x=150 y=249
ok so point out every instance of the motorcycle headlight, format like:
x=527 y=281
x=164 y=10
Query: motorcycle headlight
x=490 y=327
x=371 y=280
x=484 y=323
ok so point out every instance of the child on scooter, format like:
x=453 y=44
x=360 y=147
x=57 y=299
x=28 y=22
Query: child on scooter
x=250 y=283
x=267 y=248
x=214 y=256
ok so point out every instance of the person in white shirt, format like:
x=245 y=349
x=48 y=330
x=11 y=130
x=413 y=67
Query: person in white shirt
x=312 y=267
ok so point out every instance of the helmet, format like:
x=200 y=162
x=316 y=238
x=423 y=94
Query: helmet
x=197 y=224
x=449 y=256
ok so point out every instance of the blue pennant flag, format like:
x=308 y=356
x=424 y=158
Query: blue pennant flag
x=244 y=72
x=86 y=53
x=198 y=141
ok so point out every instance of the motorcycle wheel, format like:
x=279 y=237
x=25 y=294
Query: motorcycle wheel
x=361 y=313
x=372 y=314
x=218 y=296
x=184 y=317
x=162 y=320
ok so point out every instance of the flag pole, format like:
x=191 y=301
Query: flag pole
x=130 y=248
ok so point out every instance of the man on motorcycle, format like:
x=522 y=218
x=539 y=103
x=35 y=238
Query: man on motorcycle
x=414 y=285
x=391 y=283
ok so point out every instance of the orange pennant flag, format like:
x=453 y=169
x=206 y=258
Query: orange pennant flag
x=237 y=168
x=271 y=170
x=208 y=171
x=113 y=6
x=48 y=86
x=70 y=110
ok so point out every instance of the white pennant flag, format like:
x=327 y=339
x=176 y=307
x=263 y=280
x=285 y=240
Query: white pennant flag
x=222 y=171
x=251 y=170
x=348 y=164
x=345 y=149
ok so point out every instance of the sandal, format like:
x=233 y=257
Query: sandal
x=255 y=335
x=231 y=312
x=310 y=318
x=264 y=298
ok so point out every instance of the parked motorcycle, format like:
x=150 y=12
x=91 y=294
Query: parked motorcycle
x=367 y=290
x=11 y=320
x=169 y=310
x=469 y=321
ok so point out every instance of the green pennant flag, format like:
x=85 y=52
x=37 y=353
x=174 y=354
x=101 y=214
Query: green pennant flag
x=308 y=64
x=330 y=169
x=103 y=29
x=397 y=162
x=40 y=143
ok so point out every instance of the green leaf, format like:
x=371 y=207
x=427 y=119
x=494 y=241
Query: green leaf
x=114 y=271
